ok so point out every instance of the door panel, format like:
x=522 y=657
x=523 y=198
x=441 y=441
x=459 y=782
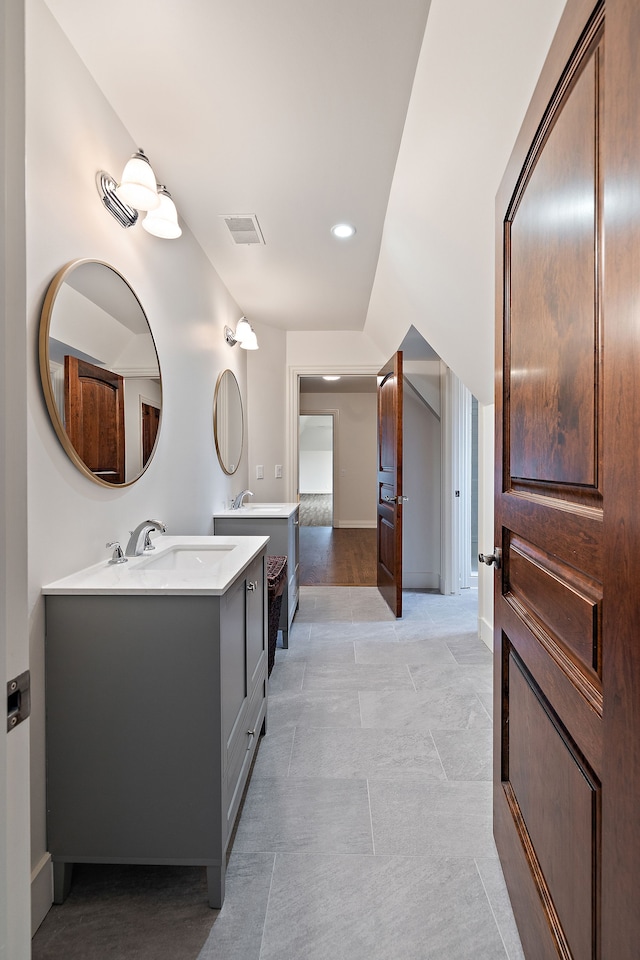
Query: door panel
x=94 y=417
x=150 y=424
x=549 y=507
x=390 y=412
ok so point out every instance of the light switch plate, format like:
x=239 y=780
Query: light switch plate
x=278 y=471
x=260 y=472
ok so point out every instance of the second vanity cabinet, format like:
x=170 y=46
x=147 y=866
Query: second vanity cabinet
x=155 y=704
x=281 y=523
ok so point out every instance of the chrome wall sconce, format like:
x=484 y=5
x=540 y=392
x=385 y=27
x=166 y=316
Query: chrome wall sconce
x=244 y=335
x=139 y=191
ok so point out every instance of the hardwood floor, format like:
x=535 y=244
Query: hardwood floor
x=337 y=557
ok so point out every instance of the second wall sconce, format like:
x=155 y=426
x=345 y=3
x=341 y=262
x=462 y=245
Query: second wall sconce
x=137 y=191
x=244 y=335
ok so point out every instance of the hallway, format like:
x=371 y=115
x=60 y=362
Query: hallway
x=330 y=556
x=366 y=828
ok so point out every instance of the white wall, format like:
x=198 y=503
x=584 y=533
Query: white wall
x=421 y=522
x=354 y=497
x=342 y=350
x=71 y=133
x=267 y=414
x=435 y=269
x=316 y=454
x=486 y=575
x=14 y=652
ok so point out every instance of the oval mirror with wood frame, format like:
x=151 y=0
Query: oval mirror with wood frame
x=228 y=422
x=100 y=372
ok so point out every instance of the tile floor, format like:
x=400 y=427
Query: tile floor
x=366 y=829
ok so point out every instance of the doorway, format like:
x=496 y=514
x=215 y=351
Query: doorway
x=316 y=465
x=335 y=434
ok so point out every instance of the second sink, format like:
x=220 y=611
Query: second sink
x=192 y=558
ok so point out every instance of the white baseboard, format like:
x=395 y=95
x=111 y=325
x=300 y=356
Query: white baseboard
x=358 y=524
x=420 y=581
x=485 y=632
x=41 y=891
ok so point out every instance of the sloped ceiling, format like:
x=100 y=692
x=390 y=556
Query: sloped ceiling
x=291 y=110
x=305 y=113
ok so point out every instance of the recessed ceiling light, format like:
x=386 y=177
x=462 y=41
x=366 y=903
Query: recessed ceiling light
x=343 y=230
x=331 y=378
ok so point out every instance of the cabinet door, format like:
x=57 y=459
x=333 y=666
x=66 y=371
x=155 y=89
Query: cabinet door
x=256 y=621
x=233 y=662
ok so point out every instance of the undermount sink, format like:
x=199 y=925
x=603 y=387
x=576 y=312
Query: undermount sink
x=260 y=509
x=189 y=558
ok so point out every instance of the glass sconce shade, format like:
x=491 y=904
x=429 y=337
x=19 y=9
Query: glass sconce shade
x=163 y=221
x=138 y=187
x=243 y=330
x=250 y=342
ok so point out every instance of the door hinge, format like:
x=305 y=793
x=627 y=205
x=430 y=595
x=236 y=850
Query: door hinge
x=18 y=700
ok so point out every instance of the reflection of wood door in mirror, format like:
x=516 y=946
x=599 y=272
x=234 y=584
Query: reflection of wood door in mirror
x=94 y=417
x=390 y=483
x=150 y=423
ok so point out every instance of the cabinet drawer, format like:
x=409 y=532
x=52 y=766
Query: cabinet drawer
x=242 y=751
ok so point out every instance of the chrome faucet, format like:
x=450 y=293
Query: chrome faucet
x=237 y=503
x=139 y=541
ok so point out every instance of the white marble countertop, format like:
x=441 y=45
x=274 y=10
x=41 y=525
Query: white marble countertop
x=178 y=565
x=259 y=510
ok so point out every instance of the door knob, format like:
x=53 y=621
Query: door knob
x=491 y=558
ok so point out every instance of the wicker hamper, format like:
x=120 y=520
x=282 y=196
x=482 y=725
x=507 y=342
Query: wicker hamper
x=276 y=579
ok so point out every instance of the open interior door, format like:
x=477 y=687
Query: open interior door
x=567 y=604
x=390 y=483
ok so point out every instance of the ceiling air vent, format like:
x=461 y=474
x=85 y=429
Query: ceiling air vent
x=244 y=228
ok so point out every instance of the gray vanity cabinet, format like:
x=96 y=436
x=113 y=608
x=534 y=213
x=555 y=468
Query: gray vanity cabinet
x=154 y=708
x=284 y=534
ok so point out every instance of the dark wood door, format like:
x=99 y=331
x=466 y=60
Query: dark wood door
x=567 y=508
x=390 y=483
x=94 y=417
x=150 y=424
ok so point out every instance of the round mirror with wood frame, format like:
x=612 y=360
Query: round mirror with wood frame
x=100 y=372
x=228 y=422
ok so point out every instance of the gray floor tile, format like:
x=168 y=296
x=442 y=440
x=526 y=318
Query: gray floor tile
x=432 y=819
x=287 y=675
x=343 y=630
x=298 y=631
x=359 y=676
x=378 y=908
x=329 y=649
x=465 y=754
x=403 y=651
x=443 y=709
x=274 y=753
x=480 y=676
x=470 y=649
x=285 y=815
x=486 y=699
x=317 y=708
x=362 y=754
x=238 y=928
x=493 y=880
x=441 y=675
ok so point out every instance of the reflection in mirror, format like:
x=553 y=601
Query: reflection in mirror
x=100 y=372
x=228 y=424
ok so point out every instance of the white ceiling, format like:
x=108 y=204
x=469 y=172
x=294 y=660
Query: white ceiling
x=292 y=110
